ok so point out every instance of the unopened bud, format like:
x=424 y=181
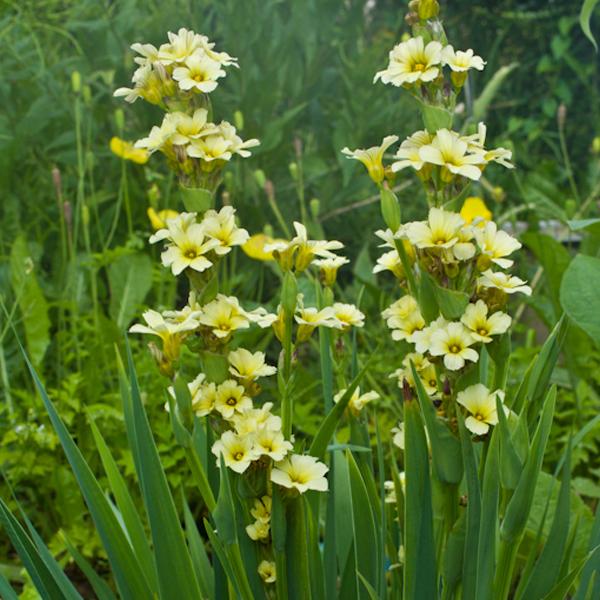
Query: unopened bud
x=87 y=94
x=269 y=189
x=390 y=209
x=67 y=212
x=298 y=146
x=90 y=159
x=570 y=208
x=260 y=178
x=238 y=119
x=289 y=293
x=226 y=198
x=76 y=81
x=596 y=145
x=293 y=168
x=428 y=9
x=315 y=207
x=56 y=180
x=154 y=194
x=85 y=215
x=180 y=153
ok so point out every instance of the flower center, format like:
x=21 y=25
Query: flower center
x=231 y=401
x=238 y=456
x=419 y=67
x=455 y=348
x=482 y=331
x=478 y=416
x=198 y=77
x=191 y=254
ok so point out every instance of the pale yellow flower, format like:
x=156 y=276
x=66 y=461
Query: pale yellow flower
x=453 y=343
x=210 y=148
x=188 y=249
x=301 y=472
x=357 y=401
x=181 y=46
x=184 y=128
x=408 y=153
x=476 y=145
x=309 y=318
x=450 y=151
x=223 y=315
x=127 y=151
x=390 y=261
x=348 y=315
x=460 y=61
x=329 y=267
x=481 y=404
x=504 y=282
x=237 y=451
x=254 y=247
x=221 y=226
x=194 y=388
x=199 y=73
x=271 y=443
x=482 y=326
x=398 y=438
x=441 y=230
x=267 y=571
x=159 y=219
x=262 y=509
x=411 y=62
x=231 y=398
x=400 y=311
x=259 y=530
x=203 y=402
x=496 y=244
x=253 y=419
x=248 y=366
x=372 y=158
x=236 y=144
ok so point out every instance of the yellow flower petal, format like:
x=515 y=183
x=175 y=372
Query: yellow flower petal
x=158 y=219
x=255 y=245
x=474 y=207
x=127 y=151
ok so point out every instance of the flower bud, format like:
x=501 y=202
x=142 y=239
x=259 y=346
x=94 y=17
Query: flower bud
x=289 y=293
x=315 y=207
x=428 y=9
x=87 y=94
x=570 y=208
x=260 y=178
x=596 y=145
x=561 y=115
x=76 y=81
x=154 y=194
x=238 y=119
x=293 y=167
x=85 y=215
x=390 y=209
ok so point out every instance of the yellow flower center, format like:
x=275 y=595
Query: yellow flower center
x=198 y=77
x=432 y=382
x=455 y=348
x=191 y=254
x=419 y=67
x=238 y=456
x=231 y=401
x=482 y=331
x=478 y=416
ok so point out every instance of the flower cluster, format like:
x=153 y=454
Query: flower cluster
x=175 y=71
x=178 y=76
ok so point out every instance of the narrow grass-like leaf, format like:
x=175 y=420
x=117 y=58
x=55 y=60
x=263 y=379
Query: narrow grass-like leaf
x=420 y=577
x=298 y=575
x=370 y=589
x=519 y=505
x=547 y=568
x=365 y=532
x=278 y=538
x=100 y=587
x=488 y=527
x=174 y=566
x=510 y=464
x=129 y=513
x=585 y=16
x=204 y=571
x=34 y=563
x=473 y=520
x=6 y=591
x=327 y=428
x=561 y=589
x=445 y=448
x=592 y=567
x=129 y=576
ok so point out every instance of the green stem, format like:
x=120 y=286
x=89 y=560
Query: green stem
x=504 y=568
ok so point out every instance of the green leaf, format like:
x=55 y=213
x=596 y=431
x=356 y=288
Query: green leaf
x=131 y=518
x=519 y=505
x=420 y=578
x=452 y=303
x=36 y=566
x=482 y=103
x=224 y=513
x=130 y=280
x=561 y=589
x=31 y=301
x=129 y=577
x=100 y=587
x=329 y=424
x=202 y=566
x=197 y=200
x=510 y=464
x=446 y=453
x=547 y=569
x=174 y=564
x=298 y=574
x=6 y=590
x=579 y=294
x=585 y=17
x=591 y=225
x=435 y=117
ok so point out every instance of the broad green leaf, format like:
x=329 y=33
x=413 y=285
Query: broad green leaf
x=591 y=225
x=298 y=574
x=435 y=117
x=585 y=16
x=510 y=466
x=130 y=279
x=579 y=294
x=129 y=576
x=33 y=305
x=174 y=565
x=420 y=577
x=197 y=200
x=452 y=303
x=591 y=570
x=224 y=513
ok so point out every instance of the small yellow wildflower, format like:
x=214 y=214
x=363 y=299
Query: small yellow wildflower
x=481 y=403
x=267 y=571
x=474 y=208
x=372 y=157
x=453 y=343
x=158 y=220
x=237 y=451
x=254 y=247
x=301 y=472
x=127 y=151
